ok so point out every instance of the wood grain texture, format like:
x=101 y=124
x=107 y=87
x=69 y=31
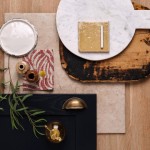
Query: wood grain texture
x=137 y=136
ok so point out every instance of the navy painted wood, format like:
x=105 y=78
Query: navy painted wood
x=80 y=125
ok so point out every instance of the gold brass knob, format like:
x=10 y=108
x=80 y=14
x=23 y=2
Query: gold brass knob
x=74 y=103
x=32 y=76
x=55 y=132
x=22 y=67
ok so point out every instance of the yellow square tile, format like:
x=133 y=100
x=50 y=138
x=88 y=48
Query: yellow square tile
x=90 y=36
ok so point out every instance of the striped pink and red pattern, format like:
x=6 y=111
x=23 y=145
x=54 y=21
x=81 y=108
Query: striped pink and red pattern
x=40 y=60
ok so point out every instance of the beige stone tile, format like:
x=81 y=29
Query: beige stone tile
x=110 y=97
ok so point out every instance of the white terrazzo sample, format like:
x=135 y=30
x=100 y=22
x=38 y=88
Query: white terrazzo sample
x=120 y=14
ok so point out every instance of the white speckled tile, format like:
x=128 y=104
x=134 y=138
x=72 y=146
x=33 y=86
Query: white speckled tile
x=110 y=97
x=122 y=18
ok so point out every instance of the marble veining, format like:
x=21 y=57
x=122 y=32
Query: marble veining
x=122 y=17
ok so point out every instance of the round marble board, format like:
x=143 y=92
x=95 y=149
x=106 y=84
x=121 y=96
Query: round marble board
x=123 y=21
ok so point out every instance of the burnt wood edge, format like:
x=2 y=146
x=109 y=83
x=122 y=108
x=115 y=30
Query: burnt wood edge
x=107 y=75
x=114 y=75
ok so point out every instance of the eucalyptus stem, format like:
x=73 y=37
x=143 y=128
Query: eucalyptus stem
x=32 y=122
x=18 y=108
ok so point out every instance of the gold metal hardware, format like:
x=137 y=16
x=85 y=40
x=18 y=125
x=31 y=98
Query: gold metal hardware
x=55 y=132
x=74 y=103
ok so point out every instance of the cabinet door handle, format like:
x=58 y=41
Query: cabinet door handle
x=74 y=103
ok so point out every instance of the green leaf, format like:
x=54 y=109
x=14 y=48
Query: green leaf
x=3 y=98
x=40 y=133
x=12 y=87
x=14 y=96
x=34 y=110
x=15 y=88
x=26 y=97
x=34 y=131
x=15 y=105
x=12 y=121
x=16 y=121
x=40 y=120
x=18 y=114
x=10 y=104
x=22 y=109
x=38 y=113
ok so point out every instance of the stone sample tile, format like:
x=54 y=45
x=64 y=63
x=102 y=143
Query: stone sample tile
x=110 y=97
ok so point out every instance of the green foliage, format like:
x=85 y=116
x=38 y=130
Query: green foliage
x=18 y=109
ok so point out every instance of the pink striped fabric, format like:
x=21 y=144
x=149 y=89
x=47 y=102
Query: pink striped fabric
x=40 y=60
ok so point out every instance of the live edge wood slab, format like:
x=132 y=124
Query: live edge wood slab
x=133 y=64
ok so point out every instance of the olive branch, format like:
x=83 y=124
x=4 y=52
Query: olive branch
x=18 y=109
